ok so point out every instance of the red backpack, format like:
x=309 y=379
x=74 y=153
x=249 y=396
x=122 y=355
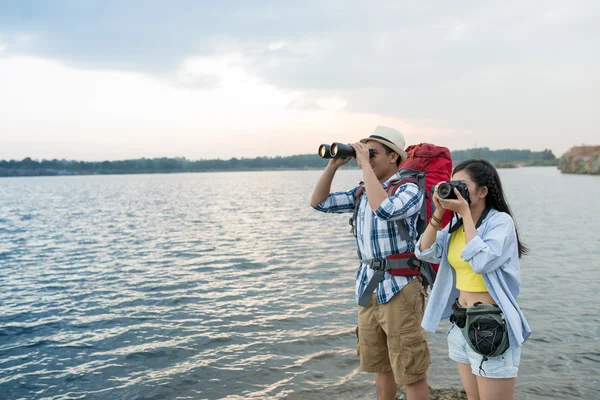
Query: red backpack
x=436 y=163
x=426 y=166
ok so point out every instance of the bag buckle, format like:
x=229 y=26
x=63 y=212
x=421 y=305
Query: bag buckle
x=378 y=265
x=413 y=262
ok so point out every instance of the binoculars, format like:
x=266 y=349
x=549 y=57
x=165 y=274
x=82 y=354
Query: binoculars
x=339 y=150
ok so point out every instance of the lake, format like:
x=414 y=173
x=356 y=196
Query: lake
x=229 y=286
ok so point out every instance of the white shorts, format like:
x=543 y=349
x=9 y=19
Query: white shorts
x=504 y=366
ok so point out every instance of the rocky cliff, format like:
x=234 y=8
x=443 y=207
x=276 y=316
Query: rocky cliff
x=581 y=160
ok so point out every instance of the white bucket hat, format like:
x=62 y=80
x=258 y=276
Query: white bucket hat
x=390 y=138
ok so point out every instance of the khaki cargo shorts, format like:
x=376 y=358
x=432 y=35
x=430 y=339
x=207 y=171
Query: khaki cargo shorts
x=390 y=336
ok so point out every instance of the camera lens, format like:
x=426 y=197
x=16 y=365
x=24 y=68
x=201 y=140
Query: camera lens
x=444 y=190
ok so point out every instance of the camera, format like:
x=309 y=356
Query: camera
x=339 y=150
x=446 y=190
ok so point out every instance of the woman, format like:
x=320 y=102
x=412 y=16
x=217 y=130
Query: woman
x=479 y=255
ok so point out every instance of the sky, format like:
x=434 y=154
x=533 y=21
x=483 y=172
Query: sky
x=119 y=79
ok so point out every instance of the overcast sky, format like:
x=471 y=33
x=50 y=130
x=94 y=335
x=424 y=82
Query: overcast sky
x=115 y=79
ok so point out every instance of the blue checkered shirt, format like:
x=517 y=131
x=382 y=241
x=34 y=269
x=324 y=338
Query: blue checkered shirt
x=377 y=233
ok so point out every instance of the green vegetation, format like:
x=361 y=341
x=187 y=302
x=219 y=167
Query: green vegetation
x=29 y=167
x=507 y=157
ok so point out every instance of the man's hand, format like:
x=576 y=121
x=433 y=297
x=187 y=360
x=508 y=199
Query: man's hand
x=338 y=162
x=362 y=154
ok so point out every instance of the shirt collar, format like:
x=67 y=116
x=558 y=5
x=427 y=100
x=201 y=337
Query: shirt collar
x=396 y=176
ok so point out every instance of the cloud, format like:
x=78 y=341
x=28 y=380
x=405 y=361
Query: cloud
x=276 y=46
x=316 y=101
x=53 y=110
x=492 y=73
x=332 y=45
x=227 y=69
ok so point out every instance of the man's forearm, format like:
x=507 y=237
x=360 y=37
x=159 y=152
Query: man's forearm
x=375 y=192
x=323 y=187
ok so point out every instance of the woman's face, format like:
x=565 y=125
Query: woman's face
x=477 y=194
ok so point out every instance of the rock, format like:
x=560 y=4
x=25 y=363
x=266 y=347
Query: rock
x=581 y=160
x=441 y=394
x=447 y=394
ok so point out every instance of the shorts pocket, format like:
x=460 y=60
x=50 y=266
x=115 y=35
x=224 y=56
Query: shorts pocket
x=515 y=354
x=357 y=343
x=413 y=304
x=416 y=352
x=420 y=302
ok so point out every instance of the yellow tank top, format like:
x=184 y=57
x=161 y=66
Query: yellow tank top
x=466 y=278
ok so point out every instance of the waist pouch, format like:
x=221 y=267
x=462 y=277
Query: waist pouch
x=483 y=327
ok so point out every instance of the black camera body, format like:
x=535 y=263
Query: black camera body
x=446 y=190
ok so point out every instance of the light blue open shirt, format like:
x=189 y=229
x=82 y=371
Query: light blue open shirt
x=494 y=254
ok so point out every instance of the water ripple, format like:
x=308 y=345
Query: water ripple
x=175 y=287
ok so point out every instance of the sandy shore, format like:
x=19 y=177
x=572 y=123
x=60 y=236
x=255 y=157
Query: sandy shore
x=442 y=394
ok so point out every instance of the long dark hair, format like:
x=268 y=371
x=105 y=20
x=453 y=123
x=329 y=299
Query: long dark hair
x=484 y=173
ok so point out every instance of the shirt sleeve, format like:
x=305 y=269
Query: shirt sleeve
x=338 y=202
x=434 y=253
x=492 y=250
x=406 y=202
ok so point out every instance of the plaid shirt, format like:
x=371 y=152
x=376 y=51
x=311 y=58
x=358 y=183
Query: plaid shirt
x=377 y=233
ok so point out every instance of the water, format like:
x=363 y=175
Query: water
x=228 y=285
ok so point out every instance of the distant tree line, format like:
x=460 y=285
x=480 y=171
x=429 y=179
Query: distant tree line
x=30 y=167
x=507 y=156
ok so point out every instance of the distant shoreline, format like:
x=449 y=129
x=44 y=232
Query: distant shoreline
x=30 y=167
x=33 y=175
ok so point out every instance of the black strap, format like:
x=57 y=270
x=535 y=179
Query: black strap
x=428 y=274
x=481 y=370
x=357 y=195
x=459 y=222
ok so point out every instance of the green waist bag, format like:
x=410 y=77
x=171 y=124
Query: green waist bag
x=485 y=330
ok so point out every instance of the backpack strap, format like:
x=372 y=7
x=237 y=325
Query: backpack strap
x=392 y=188
x=427 y=272
x=408 y=263
x=357 y=195
x=380 y=266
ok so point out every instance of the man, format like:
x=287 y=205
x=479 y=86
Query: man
x=391 y=342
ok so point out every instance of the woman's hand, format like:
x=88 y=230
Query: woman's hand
x=458 y=205
x=436 y=201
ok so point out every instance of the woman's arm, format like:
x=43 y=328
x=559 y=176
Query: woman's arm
x=429 y=236
x=434 y=252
